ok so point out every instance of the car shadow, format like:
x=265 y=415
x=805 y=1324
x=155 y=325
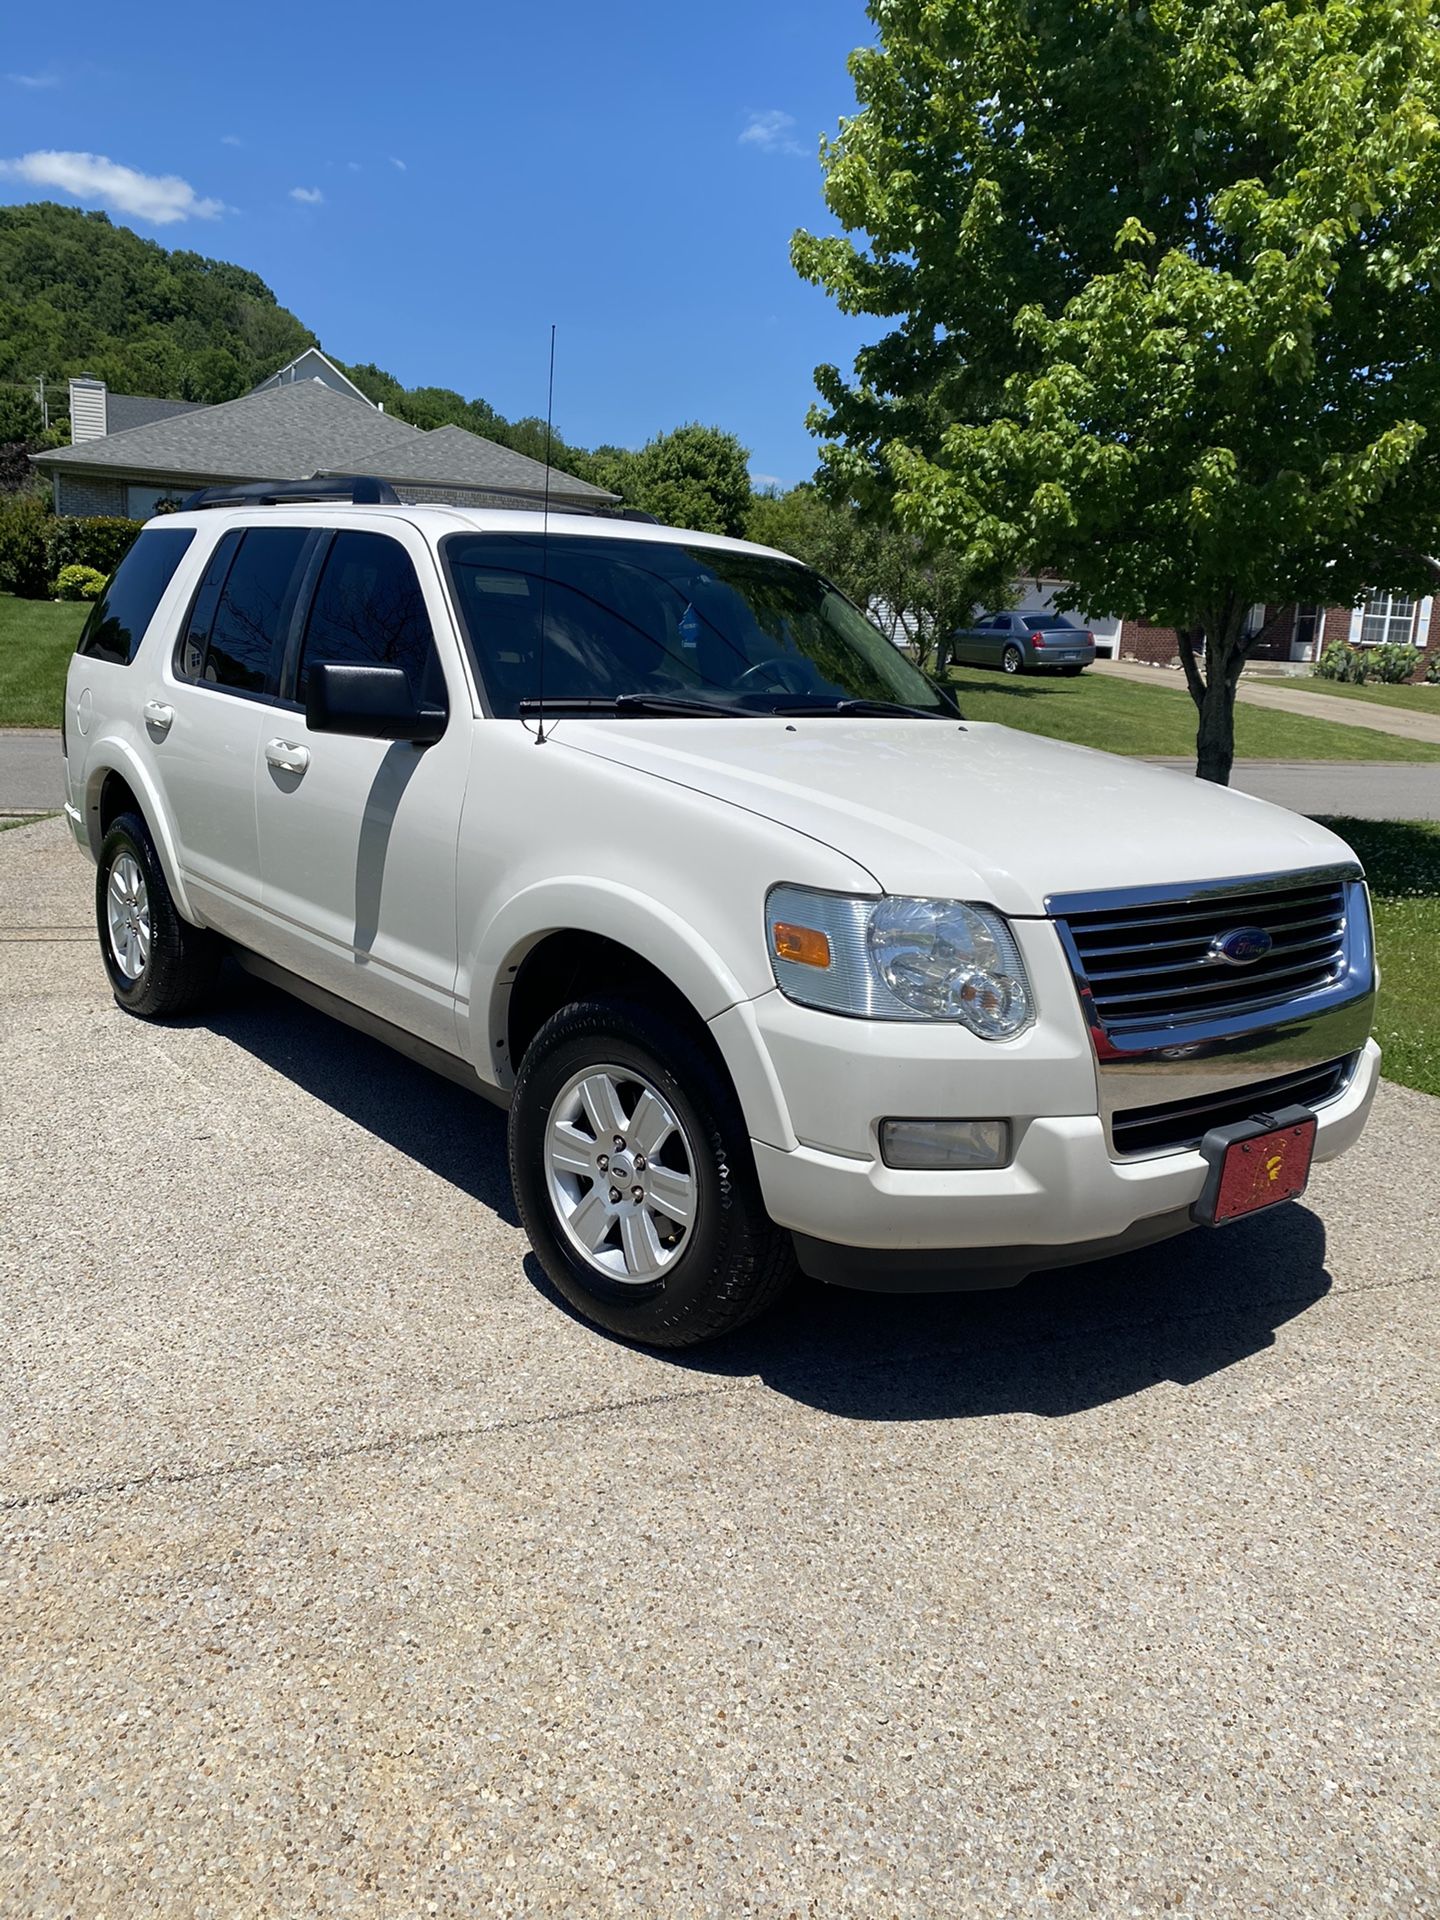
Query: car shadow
x=455 y=1133
x=1015 y=689
x=1057 y=1344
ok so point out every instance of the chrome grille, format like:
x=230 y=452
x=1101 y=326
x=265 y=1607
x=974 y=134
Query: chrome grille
x=1154 y=963
x=1175 y=1124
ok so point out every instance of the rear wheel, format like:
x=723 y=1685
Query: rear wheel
x=634 y=1178
x=1012 y=660
x=159 y=965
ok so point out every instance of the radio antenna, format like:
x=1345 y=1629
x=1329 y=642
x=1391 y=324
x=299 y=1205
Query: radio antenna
x=545 y=545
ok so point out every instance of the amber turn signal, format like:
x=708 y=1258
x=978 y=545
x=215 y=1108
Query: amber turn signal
x=807 y=945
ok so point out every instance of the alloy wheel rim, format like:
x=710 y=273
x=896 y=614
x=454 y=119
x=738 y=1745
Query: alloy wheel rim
x=127 y=911
x=620 y=1171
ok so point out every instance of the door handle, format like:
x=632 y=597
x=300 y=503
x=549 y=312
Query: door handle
x=158 y=715
x=286 y=756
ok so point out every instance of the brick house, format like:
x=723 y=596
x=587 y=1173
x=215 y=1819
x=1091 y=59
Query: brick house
x=128 y=452
x=1302 y=633
x=1296 y=633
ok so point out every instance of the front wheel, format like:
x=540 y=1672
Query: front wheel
x=1013 y=660
x=634 y=1178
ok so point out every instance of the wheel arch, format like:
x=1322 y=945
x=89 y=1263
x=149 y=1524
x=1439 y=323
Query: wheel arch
x=114 y=781
x=569 y=939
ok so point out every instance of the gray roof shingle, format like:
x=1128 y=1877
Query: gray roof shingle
x=126 y=410
x=303 y=428
x=283 y=434
x=455 y=457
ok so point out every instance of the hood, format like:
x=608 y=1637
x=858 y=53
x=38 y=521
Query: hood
x=968 y=810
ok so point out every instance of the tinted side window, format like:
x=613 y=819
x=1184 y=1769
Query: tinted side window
x=247 y=632
x=369 y=611
x=120 y=616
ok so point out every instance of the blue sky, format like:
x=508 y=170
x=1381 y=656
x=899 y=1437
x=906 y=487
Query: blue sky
x=429 y=187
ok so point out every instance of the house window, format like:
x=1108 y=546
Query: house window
x=142 y=502
x=1386 y=617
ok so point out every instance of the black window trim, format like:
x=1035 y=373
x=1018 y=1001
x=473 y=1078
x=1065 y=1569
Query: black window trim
x=310 y=578
x=269 y=696
x=137 y=640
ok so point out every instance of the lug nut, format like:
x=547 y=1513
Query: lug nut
x=615 y=1196
x=619 y=1144
x=637 y=1193
x=602 y=1161
x=639 y=1163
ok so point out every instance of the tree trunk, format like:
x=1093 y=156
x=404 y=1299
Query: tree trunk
x=1214 y=692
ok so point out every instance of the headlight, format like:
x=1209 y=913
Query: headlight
x=899 y=959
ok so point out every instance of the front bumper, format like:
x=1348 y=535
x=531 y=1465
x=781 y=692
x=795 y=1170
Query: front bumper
x=1062 y=1199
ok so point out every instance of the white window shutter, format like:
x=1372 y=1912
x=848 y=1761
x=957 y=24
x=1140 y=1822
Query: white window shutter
x=1357 y=616
x=1422 y=621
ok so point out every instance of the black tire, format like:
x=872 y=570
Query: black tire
x=1072 y=673
x=1012 y=660
x=736 y=1261
x=179 y=969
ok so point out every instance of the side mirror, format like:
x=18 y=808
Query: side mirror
x=374 y=702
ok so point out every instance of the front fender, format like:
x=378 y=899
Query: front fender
x=585 y=904
x=114 y=755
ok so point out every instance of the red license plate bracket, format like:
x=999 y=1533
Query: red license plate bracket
x=1254 y=1164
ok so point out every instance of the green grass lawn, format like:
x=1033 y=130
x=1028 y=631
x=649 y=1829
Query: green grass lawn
x=37 y=638
x=1402 y=862
x=1414 y=699
x=1124 y=716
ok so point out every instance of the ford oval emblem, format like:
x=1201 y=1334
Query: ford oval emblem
x=1241 y=947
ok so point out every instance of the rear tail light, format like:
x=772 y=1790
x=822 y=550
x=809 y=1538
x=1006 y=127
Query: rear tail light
x=1037 y=639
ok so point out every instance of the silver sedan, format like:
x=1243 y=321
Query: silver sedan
x=1025 y=642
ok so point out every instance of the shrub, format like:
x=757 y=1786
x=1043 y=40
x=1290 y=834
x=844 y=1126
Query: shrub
x=1432 y=669
x=1393 y=664
x=24 y=568
x=96 y=541
x=80 y=583
x=1341 y=661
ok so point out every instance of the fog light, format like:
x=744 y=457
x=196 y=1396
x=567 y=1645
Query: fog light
x=940 y=1145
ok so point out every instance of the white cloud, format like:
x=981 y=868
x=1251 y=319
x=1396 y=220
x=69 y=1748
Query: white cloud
x=771 y=131
x=352 y=166
x=33 y=79
x=310 y=196
x=159 y=198
x=397 y=163
x=231 y=140
x=765 y=480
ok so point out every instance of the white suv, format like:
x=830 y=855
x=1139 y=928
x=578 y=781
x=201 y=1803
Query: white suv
x=649 y=836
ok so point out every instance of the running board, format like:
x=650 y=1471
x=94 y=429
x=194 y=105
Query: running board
x=423 y=1052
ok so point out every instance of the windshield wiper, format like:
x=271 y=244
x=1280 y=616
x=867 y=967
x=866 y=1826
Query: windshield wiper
x=638 y=703
x=882 y=708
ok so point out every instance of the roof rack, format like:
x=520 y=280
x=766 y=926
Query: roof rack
x=600 y=510
x=359 y=489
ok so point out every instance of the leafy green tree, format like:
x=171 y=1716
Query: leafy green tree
x=1163 y=279
x=918 y=593
x=79 y=295
x=695 y=477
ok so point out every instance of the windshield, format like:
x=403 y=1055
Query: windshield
x=684 y=626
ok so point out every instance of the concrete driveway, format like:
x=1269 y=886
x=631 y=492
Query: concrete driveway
x=342 y=1573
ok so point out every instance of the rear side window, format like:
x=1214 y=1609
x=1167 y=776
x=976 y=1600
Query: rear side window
x=369 y=611
x=120 y=616
x=237 y=625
